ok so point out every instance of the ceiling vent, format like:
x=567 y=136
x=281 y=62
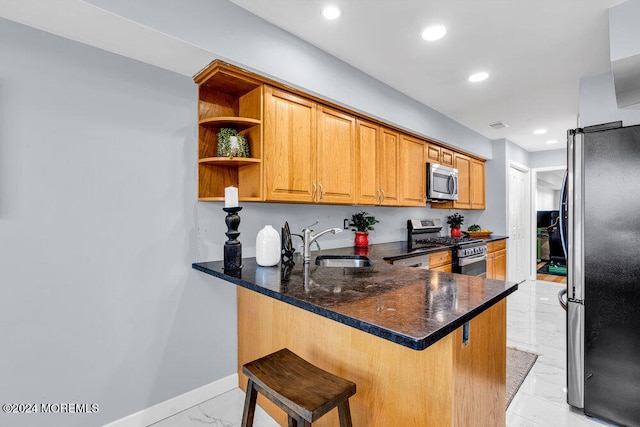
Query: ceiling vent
x=499 y=125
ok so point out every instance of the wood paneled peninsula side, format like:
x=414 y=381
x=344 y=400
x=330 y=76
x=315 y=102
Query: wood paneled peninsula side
x=425 y=348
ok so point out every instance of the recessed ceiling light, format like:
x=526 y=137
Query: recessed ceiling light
x=331 y=12
x=552 y=141
x=433 y=33
x=539 y=131
x=478 y=77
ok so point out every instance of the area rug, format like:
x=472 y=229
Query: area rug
x=519 y=363
x=545 y=270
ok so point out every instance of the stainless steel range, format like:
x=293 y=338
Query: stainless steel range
x=469 y=255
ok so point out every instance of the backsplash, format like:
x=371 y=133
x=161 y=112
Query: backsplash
x=254 y=216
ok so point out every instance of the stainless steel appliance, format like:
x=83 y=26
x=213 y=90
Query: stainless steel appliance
x=469 y=255
x=442 y=182
x=600 y=231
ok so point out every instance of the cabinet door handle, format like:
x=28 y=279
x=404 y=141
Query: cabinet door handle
x=321 y=191
x=313 y=196
x=379 y=199
x=383 y=196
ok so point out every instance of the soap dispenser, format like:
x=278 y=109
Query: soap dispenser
x=268 y=247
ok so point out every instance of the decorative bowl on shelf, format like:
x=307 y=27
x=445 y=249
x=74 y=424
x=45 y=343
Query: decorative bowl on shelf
x=479 y=234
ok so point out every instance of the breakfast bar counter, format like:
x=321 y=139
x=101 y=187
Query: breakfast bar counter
x=424 y=347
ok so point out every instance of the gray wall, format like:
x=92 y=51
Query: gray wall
x=97 y=234
x=233 y=34
x=495 y=218
x=549 y=158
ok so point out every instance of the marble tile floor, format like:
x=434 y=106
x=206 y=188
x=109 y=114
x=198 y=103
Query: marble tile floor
x=535 y=322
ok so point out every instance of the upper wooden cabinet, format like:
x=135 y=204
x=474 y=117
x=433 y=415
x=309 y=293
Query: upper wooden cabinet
x=477 y=185
x=306 y=150
x=309 y=150
x=290 y=147
x=336 y=161
x=388 y=164
x=228 y=99
x=413 y=171
x=439 y=155
x=377 y=165
x=471 y=185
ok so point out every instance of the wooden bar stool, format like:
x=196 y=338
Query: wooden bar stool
x=304 y=391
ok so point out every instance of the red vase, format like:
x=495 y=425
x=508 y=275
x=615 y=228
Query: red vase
x=361 y=251
x=362 y=239
x=455 y=232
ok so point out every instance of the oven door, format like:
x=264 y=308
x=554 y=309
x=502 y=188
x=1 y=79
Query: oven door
x=475 y=265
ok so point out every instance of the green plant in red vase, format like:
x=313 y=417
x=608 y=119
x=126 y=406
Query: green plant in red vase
x=362 y=223
x=455 y=221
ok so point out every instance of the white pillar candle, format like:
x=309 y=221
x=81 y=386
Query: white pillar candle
x=231 y=197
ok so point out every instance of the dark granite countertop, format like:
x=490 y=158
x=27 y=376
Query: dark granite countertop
x=409 y=306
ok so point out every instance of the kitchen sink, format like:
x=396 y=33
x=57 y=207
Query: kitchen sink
x=343 y=261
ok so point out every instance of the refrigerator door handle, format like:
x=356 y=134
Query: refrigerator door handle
x=562 y=301
x=562 y=210
x=575 y=222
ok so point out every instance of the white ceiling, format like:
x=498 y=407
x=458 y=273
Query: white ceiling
x=535 y=51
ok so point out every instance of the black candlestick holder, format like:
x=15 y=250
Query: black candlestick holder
x=232 y=247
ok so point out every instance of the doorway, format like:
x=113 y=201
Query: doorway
x=547 y=254
x=519 y=223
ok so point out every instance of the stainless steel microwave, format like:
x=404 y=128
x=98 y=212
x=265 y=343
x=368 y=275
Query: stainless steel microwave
x=442 y=182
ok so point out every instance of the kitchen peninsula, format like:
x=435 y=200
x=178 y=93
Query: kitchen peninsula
x=424 y=347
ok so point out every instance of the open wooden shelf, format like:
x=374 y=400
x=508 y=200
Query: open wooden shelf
x=240 y=123
x=225 y=161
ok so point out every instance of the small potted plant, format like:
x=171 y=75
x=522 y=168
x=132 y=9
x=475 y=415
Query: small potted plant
x=232 y=144
x=362 y=223
x=455 y=221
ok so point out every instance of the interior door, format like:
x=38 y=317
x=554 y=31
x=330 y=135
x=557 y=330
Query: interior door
x=519 y=210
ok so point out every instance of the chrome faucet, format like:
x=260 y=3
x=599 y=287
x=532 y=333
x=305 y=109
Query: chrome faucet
x=308 y=238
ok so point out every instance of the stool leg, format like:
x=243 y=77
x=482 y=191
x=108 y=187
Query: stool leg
x=297 y=422
x=345 y=414
x=249 y=405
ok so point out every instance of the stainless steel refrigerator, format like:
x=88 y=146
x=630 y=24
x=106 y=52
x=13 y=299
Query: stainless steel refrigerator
x=601 y=236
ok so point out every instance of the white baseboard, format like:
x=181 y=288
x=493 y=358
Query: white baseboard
x=177 y=404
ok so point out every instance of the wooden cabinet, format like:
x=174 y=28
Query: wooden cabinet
x=309 y=151
x=477 y=185
x=228 y=99
x=388 y=163
x=463 y=164
x=336 y=157
x=412 y=171
x=290 y=147
x=377 y=160
x=471 y=184
x=497 y=260
x=441 y=261
x=439 y=155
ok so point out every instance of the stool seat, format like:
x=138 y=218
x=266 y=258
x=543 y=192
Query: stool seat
x=304 y=391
